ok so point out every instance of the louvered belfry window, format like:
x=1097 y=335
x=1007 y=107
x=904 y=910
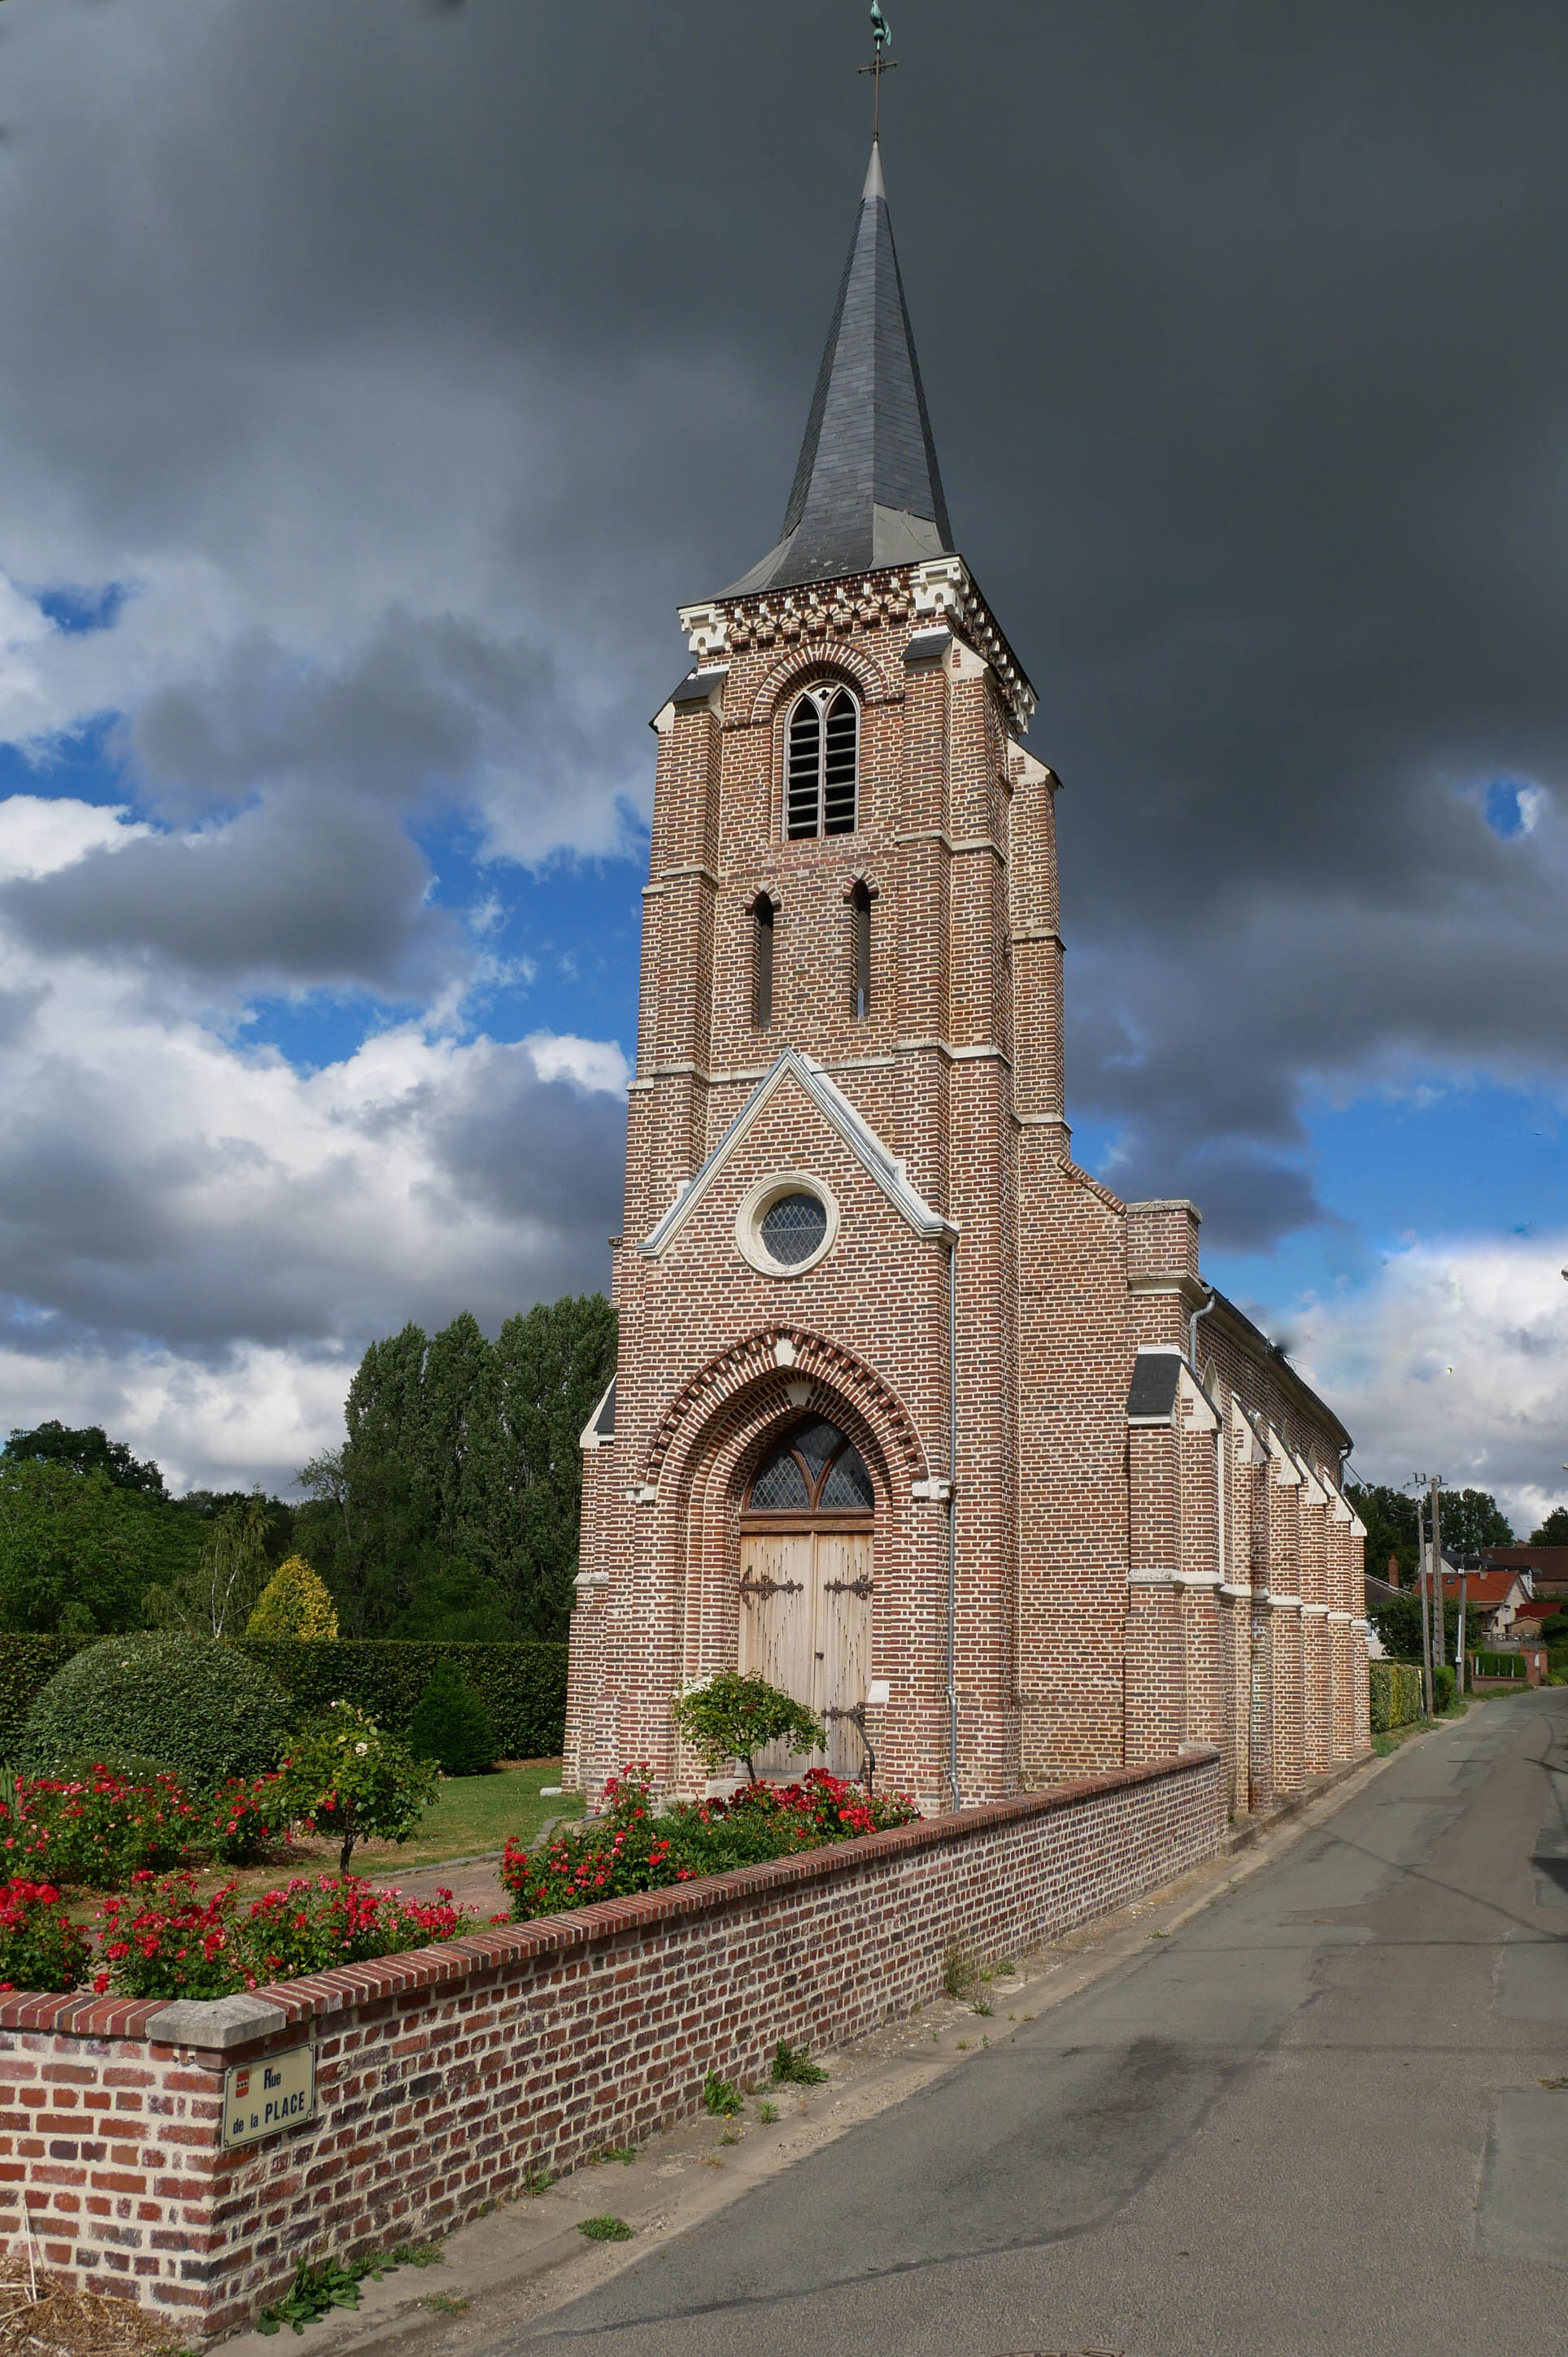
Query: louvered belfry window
x=822 y=763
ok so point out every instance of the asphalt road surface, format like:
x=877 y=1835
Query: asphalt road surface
x=1316 y=2118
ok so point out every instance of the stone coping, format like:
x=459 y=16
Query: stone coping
x=222 y=2025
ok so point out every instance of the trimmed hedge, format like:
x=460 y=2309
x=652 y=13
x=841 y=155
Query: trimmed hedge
x=1500 y=1665
x=26 y=1665
x=523 y=1686
x=194 y=1706
x=1398 y=1695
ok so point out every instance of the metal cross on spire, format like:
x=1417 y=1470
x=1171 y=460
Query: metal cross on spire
x=881 y=63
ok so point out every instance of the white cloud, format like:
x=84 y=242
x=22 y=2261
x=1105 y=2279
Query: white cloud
x=38 y=837
x=1455 y=1361
x=199 y=1238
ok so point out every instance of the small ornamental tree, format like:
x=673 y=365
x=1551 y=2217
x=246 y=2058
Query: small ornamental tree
x=732 y=1716
x=451 y=1725
x=344 y=1776
x=293 y=1604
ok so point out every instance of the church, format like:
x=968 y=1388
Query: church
x=912 y=1415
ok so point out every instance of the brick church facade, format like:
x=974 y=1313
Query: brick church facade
x=911 y=1414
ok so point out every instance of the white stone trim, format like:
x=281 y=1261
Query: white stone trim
x=841 y=1116
x=754 y=1206
x=591 y=1437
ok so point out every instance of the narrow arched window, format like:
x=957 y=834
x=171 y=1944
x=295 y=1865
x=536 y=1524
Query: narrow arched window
x=860 y=918
x=821 y=763
x=761 y=961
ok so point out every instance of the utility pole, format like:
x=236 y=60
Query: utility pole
x=1417 y=1483
x=1441 y=1625
x=1459 y=1648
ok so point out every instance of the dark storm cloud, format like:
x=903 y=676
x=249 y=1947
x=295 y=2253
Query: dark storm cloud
x=1247 y=371
x=302 y=891
x=412 y=716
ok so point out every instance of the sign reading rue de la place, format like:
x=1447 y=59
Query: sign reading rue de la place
x=260 y=2098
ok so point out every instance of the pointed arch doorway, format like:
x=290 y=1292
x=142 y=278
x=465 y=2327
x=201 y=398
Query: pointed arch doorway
x=806 y=1585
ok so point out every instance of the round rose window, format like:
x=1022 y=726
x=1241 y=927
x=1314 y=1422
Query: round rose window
x=793 y=1228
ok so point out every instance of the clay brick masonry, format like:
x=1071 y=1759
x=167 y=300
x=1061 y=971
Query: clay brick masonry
x=1138 y=1502
x=444 y=2074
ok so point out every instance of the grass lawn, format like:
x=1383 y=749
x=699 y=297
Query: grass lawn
x=471 y=1816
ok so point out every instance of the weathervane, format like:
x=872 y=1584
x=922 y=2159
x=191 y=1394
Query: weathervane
x=881 y=63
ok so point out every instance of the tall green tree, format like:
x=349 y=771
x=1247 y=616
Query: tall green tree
x=553 y=1365
x=1389 y=1517
x=452 y=1506
x=78 y=1551
x=217 y=1596
x=86 y=1449
x=1553 y=1531
x=1472 y=1519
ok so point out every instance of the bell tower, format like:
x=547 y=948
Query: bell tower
x=907 y=1413
x=849 y=946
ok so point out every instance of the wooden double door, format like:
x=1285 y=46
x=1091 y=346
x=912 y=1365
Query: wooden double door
x=805 y=1626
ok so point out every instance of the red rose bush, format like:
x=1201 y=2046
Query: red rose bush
x=165 y=1940
x=627 y=1848
x=40 y=1947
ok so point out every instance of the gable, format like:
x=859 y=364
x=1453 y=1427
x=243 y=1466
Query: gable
x=851 y=1131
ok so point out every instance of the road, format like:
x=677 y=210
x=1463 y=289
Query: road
x=1312 y=2119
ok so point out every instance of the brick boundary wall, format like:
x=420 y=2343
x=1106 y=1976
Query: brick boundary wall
x=442 y=2074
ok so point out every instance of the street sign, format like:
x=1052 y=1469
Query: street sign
x=261 y=2099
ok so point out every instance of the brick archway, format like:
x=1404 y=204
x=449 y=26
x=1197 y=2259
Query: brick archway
x=717 y=1433
x=772 y=1365
x=810 y=659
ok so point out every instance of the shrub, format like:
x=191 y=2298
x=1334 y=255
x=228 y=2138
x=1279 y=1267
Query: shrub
x=40 y=1947
x=452 y=1727
x=97 y=1829
x=628 y=1849
x=734 y=1717
x=347 y=1777
x=294 y=1606
x=523 y=1686
x=26 y=1665
x=195 y=1706
x=1398 y=1696
x=164 y=1941
x=1443 y=1685
x=241 y=1818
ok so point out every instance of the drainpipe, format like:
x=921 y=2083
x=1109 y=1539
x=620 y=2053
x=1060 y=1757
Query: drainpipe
x=1192 y=1325
x=952 y=1524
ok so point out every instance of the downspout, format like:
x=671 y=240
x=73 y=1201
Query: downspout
x=952 y=1522
x=1192 y=1325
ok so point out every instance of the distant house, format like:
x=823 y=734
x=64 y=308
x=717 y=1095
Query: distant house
x=1495 y=1600
x=1548 y=1566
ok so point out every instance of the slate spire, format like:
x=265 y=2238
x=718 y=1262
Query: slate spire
x=867 y=490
